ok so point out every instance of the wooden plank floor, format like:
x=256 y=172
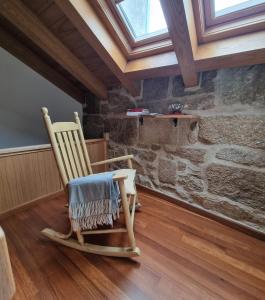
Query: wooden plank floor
x=184 y=256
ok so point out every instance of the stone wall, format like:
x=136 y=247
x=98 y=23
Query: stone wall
x=218 y=163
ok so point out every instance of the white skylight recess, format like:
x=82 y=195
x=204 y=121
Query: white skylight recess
x=223 y=7
x=143 y=18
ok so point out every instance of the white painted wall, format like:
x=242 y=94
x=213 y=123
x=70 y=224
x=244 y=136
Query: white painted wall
x=22 y=94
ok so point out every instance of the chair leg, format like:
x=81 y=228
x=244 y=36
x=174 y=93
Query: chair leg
x=80 y=237
x=127 y=215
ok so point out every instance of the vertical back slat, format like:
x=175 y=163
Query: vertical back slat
x=64 y=155
x=70 y=154
x=54 y=143
x=83 y=144
x=75 y=155
x=80 y=153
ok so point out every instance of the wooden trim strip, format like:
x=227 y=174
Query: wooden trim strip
x=200 y=211
x=38 y=148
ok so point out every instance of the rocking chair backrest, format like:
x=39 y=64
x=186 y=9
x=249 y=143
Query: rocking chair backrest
x=69 y=147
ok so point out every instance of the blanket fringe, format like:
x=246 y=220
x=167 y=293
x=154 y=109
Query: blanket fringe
x=93 y=214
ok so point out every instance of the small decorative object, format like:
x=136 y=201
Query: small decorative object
x=7 y=284
x=175 y=108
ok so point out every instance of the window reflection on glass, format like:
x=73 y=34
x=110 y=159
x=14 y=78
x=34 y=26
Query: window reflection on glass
x=143 y=18
x=223 y=7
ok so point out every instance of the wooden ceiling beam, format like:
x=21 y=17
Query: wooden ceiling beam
x=183 y=34
x=158 y=65
x=83 y=16
x=21 y=52
x=28 y=23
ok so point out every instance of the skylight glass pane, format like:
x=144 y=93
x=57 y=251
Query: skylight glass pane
x=143 y=17
x=223 y=7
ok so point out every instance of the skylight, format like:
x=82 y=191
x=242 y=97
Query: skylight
x=223 y=7
x=143 y=18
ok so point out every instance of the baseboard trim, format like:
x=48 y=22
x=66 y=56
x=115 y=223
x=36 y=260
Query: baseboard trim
x=210 y=215
x=29 y=204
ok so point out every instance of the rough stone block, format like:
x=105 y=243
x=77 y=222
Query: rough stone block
x=245 y=156
x=139 y=167
x=196 y=155
x=193 y=154
x=155 y=88
x=181 y=166
x=143 y=180
x=143 y=155
x=191 y=183
x=167 y=170
x=242 y=185
x=246 y=130
x=223 y=206
x=155 y=147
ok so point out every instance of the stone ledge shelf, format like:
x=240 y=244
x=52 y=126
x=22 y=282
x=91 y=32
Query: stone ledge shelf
x=173 y=117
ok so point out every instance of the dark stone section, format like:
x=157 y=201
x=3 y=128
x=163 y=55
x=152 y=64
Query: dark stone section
x=244 y=156
x=155 y=89
x=241 y=185
x=243 y=85
x=93 y=126
x=119 y=103
x=104 y=108
x=207 y=85
x=92 y=104
x=124 y=131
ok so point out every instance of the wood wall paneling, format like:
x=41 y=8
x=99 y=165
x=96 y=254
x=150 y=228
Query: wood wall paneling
x=30 y=173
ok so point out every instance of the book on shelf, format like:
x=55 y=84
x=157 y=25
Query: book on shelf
x=137 y=112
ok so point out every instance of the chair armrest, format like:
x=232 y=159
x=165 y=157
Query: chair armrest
x=107 y=161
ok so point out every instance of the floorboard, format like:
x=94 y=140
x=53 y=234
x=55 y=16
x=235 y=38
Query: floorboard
x=184 y=256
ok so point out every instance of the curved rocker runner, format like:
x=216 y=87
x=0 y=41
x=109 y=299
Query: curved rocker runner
x=73 y=161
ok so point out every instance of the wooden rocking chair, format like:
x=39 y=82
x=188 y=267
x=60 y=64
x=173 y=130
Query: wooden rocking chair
x=73 y=161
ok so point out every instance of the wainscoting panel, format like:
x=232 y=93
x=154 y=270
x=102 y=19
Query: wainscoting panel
x=30 y=173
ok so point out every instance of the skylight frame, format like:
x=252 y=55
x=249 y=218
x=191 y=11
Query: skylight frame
x=212 y=20
x=224 y=28
x=128 y=31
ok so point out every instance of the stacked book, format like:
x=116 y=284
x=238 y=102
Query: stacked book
x=137 y=112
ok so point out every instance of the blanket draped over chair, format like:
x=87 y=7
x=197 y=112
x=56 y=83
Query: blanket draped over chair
x=93 y=201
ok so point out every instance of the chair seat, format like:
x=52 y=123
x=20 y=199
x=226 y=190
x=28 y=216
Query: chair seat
x=130 y=181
